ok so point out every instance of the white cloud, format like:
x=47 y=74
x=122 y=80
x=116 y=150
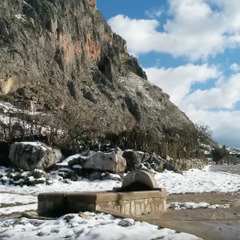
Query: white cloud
x=198 y=105
x=154 y=12
x=177 y=82
x=138 y=33
x=235 y=67
x=225 y=95
x=224 y=124
x=195 y=29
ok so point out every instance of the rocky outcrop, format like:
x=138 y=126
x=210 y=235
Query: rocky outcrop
x=33 y=155
x=94 y=164
x=63 y=55
x=112 y=162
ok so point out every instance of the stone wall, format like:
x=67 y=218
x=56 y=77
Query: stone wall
x=134 y=207
x=130 y=203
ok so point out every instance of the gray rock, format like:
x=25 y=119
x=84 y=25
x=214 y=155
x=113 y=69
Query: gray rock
x=146 y=157
x=126 y=222
x=170 y=167
x=110 y=162
x=157 y=164
x=33 y=155
x=87 y=153
x=133 y=159
x=89 y=96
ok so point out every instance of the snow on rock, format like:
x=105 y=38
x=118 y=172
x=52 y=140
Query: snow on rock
x=65 y=162
x=20 y=17
x=126 y=222
x=18 y=177
x=97 y=226
x=113 y=162
x=100 y=161
x=32 y=155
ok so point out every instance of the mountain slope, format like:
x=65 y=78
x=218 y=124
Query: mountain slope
x=63 y=55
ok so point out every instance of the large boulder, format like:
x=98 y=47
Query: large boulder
x=33 y=155
x=110 y=162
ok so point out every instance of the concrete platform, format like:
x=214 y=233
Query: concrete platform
x=129 y=203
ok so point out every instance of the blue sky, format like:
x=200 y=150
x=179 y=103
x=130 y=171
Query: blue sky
x=190 y=49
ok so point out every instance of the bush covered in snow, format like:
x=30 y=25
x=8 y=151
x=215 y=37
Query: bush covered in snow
x=19 y=177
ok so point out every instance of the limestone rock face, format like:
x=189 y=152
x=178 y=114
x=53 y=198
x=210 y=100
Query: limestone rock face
x=33 y=155
x=63 y=53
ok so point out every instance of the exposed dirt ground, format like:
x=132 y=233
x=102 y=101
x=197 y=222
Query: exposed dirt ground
x=228 y=215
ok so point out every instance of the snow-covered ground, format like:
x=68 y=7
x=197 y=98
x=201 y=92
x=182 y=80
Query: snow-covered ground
x=18 y=209
x=91 y=226
x=101 y=226
x=11 y=199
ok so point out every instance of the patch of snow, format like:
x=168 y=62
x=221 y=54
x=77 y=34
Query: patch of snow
x=8 y=198
x=77 y=167
x=18 y=209
x=115 y=176
x=37 y=144
x=67 y=160
x=193 y=205
x=31 y=178
x=135 y=84
x=30 y=128
x=20 y=17
x=128 y=150
x=97 y=226
x=198 y=181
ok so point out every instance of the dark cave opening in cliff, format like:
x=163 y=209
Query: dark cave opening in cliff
x=105 y=67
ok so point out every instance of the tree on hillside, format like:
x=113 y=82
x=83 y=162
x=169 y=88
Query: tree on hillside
x=190 y=138
x=203 y=132
x=218 y=154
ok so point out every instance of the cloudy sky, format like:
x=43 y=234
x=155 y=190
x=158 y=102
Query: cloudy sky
x=191 y=49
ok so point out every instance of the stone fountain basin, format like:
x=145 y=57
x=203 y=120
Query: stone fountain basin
x=133 y=203
x=138 y=195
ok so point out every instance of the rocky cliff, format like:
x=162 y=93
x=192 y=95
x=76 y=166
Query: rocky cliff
x=63 y=55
